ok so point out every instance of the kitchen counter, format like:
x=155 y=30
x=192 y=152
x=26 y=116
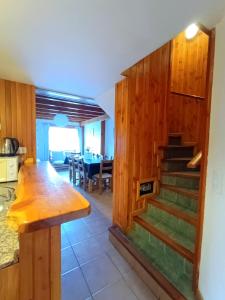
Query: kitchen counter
x=44 y=199
x=9 y=243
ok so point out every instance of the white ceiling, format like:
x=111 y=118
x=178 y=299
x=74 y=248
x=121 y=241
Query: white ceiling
x=81 y=46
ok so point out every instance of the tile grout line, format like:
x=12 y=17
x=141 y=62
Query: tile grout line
x=82 y=273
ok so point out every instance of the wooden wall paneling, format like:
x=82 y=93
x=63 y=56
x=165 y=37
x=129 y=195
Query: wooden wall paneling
x=145 y=112
x=121 y=160
x=9 y=283
x=18 y=114
x=189 y=64
x=40 y=264
x=26 y=266
x=187 y=100
x=186 y=115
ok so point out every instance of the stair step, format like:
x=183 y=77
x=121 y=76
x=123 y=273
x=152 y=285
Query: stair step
x=162 y=232
x=175 y=138
x=186 y=192
x=178 y=150
x=183 y=174
x=175 y=134
x=180 y=200
x=175 y=210
x=178 y=159
x=154 y=265
x=187 y=182
x=191 y=145
x=174 y=225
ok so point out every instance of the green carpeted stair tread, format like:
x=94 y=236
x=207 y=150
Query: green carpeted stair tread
x=192 y=193
x=182 y=281
x=178 y=210
x=184 y=241
x=187 y=174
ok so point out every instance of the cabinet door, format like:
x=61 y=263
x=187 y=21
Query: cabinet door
x=3 y=170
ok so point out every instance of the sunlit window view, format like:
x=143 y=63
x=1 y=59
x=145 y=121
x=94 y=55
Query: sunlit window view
x=64 y=139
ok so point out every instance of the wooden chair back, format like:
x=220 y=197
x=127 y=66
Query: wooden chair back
x=81 y=167
x=106 y=166
x=75 y=154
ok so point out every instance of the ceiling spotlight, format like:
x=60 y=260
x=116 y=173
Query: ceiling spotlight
x=191 y=31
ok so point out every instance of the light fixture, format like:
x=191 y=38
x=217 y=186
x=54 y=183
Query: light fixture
x=191 y=31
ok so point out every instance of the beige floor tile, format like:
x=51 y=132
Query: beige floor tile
x=140 y=289
x=117 y=291
x=87 y=250
x=74 y=286
x=68 y=260
x=100 y=273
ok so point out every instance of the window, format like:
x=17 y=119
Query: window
x=64 y=139
x=92 y=137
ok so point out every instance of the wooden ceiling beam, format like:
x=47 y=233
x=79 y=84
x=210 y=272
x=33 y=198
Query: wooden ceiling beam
x=74 y=109
x=44 y=111
x=51 y=117
x=66 y=111
x=50 y=101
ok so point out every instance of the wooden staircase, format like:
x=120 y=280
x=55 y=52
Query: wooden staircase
x=166 y=232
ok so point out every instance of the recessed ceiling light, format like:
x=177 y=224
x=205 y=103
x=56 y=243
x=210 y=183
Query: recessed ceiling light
x=191 y=31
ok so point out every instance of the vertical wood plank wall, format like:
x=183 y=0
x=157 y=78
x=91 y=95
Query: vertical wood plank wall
x=189 y=64
x=40 y=264
x=164 y=92
x=18 y=114
x=140 y=128
x=187 y=97
x=121 y=159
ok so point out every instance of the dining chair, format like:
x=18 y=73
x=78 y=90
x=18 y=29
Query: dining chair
x=105 y=176
x=70 y=168
x=76 y=172
x=82 y=174
x=76 y=154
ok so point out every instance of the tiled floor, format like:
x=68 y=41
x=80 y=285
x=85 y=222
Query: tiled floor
x=91 y=267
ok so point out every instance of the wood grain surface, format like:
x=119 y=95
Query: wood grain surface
x=44 y=199
x=18 y=114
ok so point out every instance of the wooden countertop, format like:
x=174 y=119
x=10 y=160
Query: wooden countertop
x=44 y=199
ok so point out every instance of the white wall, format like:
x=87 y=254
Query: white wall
x=107 y=102
x=212 y=267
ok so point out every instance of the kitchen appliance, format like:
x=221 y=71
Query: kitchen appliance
x=9 y=168
x=8 y=146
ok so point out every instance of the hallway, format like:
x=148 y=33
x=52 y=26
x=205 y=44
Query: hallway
x=91 y=267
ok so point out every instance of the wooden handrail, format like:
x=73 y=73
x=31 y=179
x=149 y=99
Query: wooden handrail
x=195 y=161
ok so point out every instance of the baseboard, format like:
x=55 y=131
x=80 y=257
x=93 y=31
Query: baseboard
x=158 y=284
